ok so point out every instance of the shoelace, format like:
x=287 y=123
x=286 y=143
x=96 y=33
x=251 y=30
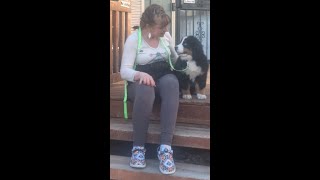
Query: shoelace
x=143 y=151
x=165 y=151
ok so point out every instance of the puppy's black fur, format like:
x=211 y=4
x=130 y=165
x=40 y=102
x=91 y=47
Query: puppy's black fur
x=193 y=79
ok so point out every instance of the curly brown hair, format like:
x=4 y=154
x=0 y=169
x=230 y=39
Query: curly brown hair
x=154 y=14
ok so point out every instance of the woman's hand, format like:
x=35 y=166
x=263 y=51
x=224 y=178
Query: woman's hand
x=144 y=78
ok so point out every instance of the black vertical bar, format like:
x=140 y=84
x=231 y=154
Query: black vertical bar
x=200 y=27
x=207 y=33
x=193 y=22
x=177 y=24
x=185 y=14
x=186 y=18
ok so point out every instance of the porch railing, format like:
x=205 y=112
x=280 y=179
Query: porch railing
x=120 y=28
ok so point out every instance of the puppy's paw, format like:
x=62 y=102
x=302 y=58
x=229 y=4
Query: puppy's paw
x=201 y=96
x=187 y=96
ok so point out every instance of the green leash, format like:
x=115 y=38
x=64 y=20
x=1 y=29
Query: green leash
x=125 y=106
x=171 y=66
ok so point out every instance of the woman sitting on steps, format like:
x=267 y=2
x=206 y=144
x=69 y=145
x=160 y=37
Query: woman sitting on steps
x=145 y=66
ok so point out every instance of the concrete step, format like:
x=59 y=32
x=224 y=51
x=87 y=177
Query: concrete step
x=120 y=169
x=185 y=135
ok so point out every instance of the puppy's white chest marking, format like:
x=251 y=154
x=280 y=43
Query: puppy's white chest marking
x=193 y=70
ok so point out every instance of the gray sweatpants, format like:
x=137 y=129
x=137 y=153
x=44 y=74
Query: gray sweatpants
x=143 y=97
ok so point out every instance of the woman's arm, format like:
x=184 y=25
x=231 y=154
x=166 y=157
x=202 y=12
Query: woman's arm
x=174 y=54
x=128 y=58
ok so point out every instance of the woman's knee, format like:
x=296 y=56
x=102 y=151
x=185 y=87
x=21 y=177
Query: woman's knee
x=169 y=81
x=144 y=92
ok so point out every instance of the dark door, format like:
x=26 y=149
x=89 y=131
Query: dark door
x=193 y=18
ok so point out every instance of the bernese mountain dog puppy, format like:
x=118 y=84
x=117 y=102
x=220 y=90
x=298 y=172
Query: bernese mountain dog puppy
x=192 y=68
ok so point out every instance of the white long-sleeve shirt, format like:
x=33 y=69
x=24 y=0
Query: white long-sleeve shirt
x=146 y=54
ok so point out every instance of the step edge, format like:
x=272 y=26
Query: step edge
x=184 y=170
x=206 y=133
